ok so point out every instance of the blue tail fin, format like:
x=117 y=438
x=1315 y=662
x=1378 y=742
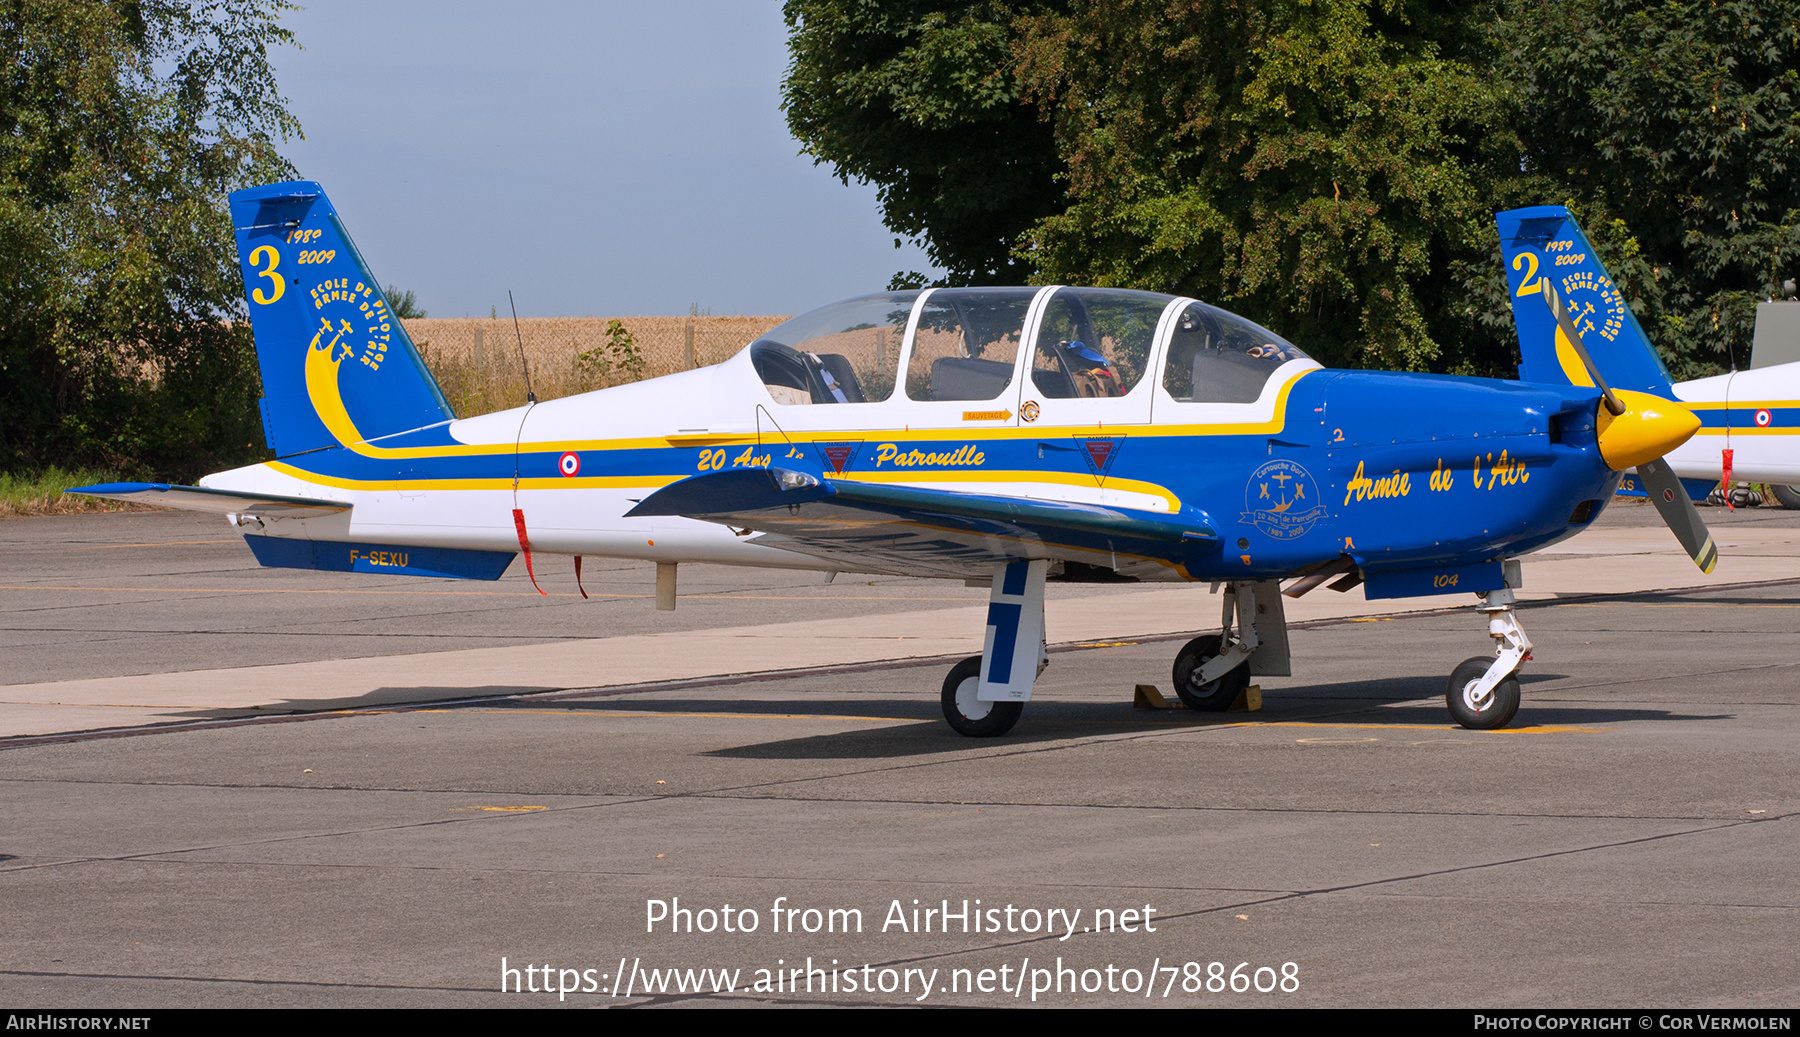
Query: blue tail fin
x=1545 y=241
x=337 y=367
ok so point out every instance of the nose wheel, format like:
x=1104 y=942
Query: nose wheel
x=1480 y=709
x=1483 y=693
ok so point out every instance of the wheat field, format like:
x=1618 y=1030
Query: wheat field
x=476 y=359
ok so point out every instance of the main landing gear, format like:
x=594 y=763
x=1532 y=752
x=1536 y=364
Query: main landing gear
x=1484 y=692
x=1212 y=670
x=984 y=694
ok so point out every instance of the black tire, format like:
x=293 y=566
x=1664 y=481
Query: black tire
x=995 y=721
x=1787 y=496
x=1501 y=705
x=1215 y=696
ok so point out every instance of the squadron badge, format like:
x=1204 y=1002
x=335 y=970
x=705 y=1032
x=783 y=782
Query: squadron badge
x=1282 y=501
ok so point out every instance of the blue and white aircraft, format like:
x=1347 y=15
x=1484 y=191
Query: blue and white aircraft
x=1007 y=436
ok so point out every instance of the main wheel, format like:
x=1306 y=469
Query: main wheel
x=969 y=715
x=1214 y=696
x=1787 y=496
x=1501 y=703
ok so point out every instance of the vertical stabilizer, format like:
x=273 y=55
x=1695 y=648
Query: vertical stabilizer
x=1545 y=241
x=337 y=367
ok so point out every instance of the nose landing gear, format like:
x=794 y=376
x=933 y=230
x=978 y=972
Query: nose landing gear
x=1483 y=693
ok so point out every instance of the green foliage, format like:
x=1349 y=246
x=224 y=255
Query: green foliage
x=618 y=360
x=1676 y=127
x=122 y=127
x=1319 y=167
x=1330 y=168
x=918 y=98
x=403 y=304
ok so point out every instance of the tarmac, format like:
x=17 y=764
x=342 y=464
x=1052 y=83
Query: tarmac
x=227 y=785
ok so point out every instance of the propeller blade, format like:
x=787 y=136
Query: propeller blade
x=1679 y=513
x=1554 y=301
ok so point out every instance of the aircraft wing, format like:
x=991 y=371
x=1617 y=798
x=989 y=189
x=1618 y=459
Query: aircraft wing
x=927 y=532
x=200 y=498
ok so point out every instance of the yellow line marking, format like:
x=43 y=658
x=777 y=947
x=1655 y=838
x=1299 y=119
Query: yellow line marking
x=622 y=712
x=504 y=809
x=1748 y=430
x=1536 y=729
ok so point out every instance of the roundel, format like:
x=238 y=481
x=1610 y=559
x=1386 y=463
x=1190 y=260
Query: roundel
x=1763 y=417
x=570 y=463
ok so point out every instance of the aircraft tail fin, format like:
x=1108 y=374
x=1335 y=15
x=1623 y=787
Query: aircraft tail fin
x=337 y=367
x=1546 y=241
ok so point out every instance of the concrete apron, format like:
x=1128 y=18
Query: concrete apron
x=1603 y=561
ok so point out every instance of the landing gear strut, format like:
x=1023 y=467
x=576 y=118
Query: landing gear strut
x=1483 y=693
x=984 y=694
x=1213 y=669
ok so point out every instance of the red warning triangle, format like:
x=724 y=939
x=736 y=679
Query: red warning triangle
x=1099 y=452
x=839 y=455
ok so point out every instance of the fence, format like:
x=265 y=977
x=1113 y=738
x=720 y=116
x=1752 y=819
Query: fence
x=476 y=359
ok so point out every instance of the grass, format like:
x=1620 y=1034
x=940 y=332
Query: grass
x=41 y=493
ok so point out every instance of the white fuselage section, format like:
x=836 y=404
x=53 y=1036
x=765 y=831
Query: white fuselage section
x=1762 y=426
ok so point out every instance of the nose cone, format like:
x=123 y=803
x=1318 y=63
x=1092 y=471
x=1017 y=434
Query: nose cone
x=1650 y=427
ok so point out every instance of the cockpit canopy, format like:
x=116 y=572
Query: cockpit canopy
x=964 y=344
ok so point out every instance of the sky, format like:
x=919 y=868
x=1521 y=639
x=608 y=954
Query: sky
x=596 y=158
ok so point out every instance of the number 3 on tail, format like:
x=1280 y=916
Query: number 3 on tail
x=274 y=278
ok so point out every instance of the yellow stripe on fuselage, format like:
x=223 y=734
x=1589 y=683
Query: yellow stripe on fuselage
x=686 y=441
x=1059 y=478
x=551 y=483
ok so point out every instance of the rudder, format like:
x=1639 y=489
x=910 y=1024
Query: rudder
x=337 y=367
x=1546 y=241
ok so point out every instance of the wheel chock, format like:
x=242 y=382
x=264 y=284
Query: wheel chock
x=1248 y=701
x=1148 y=697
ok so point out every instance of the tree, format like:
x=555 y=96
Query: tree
x=404 y=304
x=919 y=99
x=1675 y=128
x=1326 y=168
x=122 y=127
x=1331 y=167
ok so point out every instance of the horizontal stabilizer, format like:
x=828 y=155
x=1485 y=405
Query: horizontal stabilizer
x=915 y=531
x=200 y=498
x=337 y=556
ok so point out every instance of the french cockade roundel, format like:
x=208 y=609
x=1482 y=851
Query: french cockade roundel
x=570 y=464
x=1763 y=417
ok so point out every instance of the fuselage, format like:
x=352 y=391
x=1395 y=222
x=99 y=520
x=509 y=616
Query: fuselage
x=1755 y=414
x=1288 y=463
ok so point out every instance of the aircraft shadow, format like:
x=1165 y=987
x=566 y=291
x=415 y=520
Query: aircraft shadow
x=396 y=697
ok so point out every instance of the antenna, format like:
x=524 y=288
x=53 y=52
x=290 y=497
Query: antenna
x=530 y=397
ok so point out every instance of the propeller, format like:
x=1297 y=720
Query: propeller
x=1636 y=429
